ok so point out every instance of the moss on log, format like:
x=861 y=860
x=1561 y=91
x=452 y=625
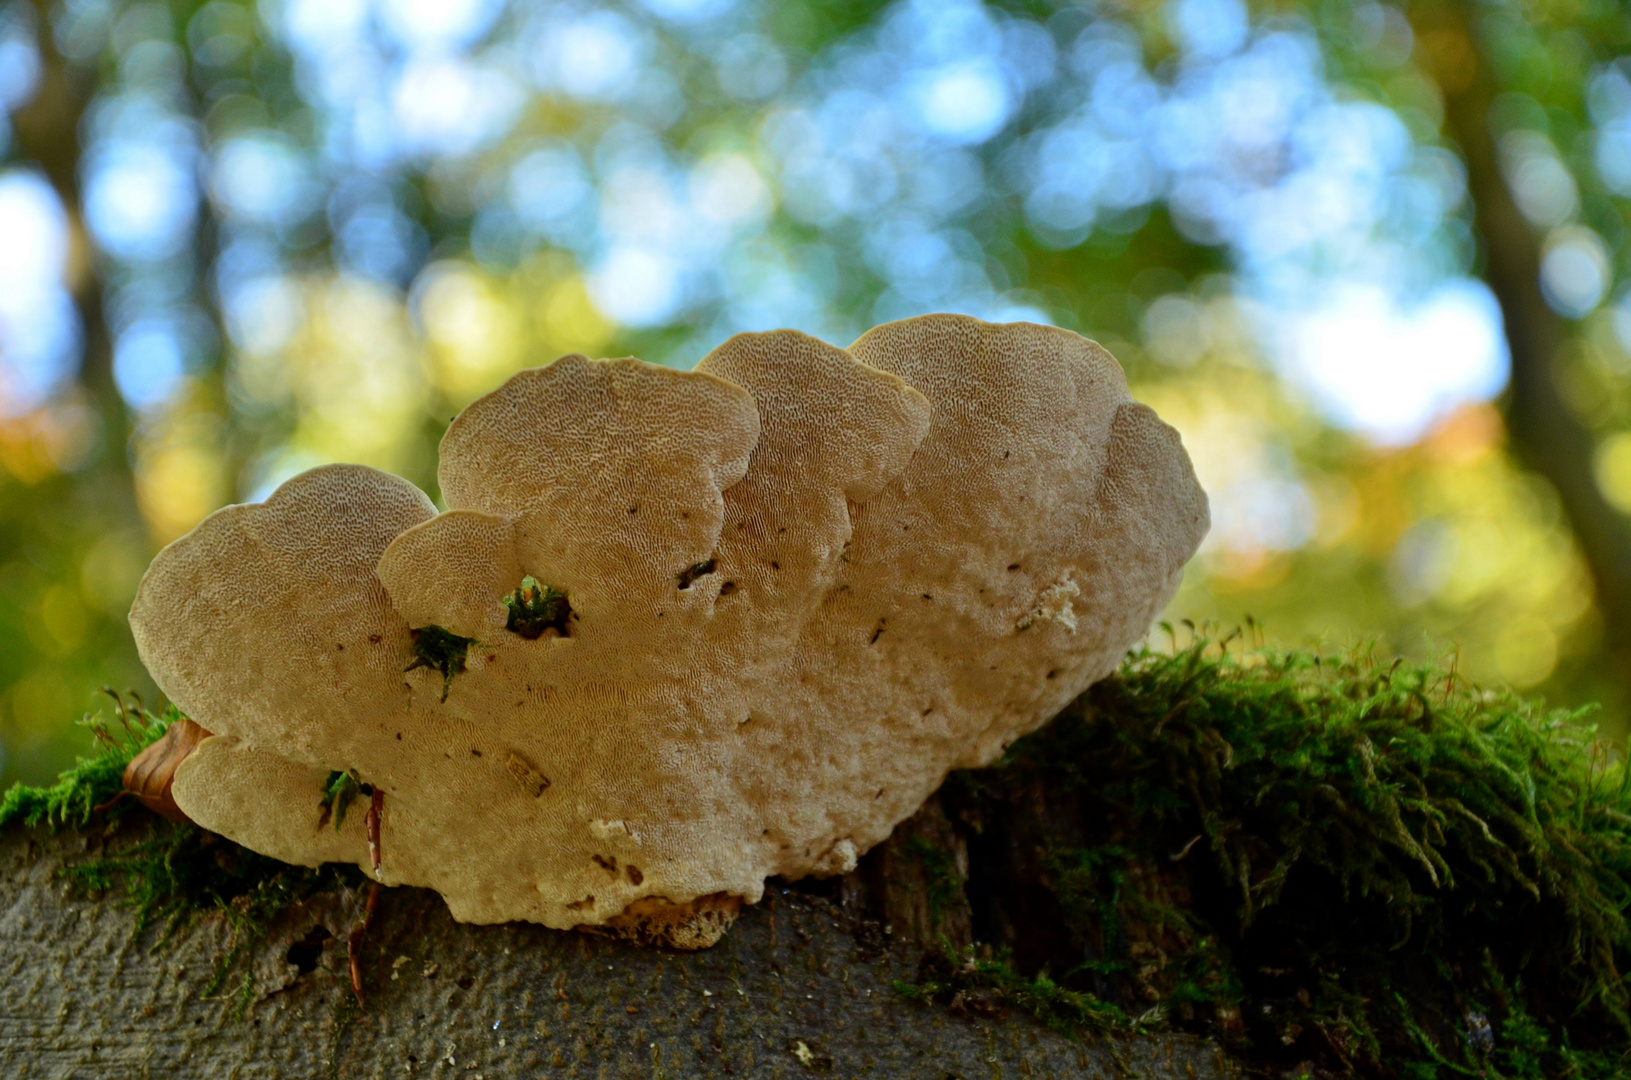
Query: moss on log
x=1327 y=866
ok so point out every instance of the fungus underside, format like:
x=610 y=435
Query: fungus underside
x=1253 y=851
x=440 y=650
x=535 y=608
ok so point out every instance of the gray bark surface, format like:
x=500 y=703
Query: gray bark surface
x=798 y=987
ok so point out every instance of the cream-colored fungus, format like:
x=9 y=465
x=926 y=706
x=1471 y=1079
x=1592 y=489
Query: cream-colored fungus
x=763 y=608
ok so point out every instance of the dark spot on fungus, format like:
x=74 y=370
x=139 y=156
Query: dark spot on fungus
x=876 y=633
x=926 y=596
x=1052 y=673
x=474 y=751
x=635 y=509
x=727 y=588
x=492 y=658
x=339 y=646
x=694 y=571
x=635 y=876
x=774 y=565
x=466 y=983
x=537 y=609
x=1013 y=566
x=373 y=639
x=399 y=736
x=526 y=774
x=605 y=862
x=440 y=650
x=579 y=905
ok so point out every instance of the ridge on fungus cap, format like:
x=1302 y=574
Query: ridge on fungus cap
x=678 y=631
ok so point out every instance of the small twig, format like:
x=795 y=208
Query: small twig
x=371 y=823
x=1193 y=841
x=353 y=944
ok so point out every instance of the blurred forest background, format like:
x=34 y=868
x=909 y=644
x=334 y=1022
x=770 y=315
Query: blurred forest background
x=1369 y=259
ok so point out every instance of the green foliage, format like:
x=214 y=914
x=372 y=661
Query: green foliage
x=93 y=781
x=440 y=650
x=1340 y=859
x=535 y=608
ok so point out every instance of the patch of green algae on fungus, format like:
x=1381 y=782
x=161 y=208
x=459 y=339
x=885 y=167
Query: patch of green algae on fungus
x=440 y=650
x=175 y=872
x=1357 y=867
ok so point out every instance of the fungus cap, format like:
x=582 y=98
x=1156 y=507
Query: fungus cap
x=678 y=631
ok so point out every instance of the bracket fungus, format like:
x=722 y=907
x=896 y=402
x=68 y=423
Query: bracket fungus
x=679 y=630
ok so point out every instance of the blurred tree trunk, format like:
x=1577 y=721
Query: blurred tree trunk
x=1546 y=434
x=48 y=133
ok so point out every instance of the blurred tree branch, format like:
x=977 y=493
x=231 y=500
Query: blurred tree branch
x=1545 y=433
x=48 y=133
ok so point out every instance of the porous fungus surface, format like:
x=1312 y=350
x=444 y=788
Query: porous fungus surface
x=792 y=589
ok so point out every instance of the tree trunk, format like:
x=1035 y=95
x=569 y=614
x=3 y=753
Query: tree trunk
x=1545 y=432
x=802 y=984
x=49 y=130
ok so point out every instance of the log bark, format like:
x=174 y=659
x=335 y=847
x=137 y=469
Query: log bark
x=803 y=984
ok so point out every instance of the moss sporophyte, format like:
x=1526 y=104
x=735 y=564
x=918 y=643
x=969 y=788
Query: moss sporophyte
x=440 y=650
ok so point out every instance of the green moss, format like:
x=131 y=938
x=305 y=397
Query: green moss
x=338 y=791
x=535 y=608
x=943 y=884
x=96 y=780
x=182 y=871
x=977 y=982
x=1308 y=857
x=175 y=872
x=440 y=650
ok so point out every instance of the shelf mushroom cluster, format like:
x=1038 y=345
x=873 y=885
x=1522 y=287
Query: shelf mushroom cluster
x=678 y=631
